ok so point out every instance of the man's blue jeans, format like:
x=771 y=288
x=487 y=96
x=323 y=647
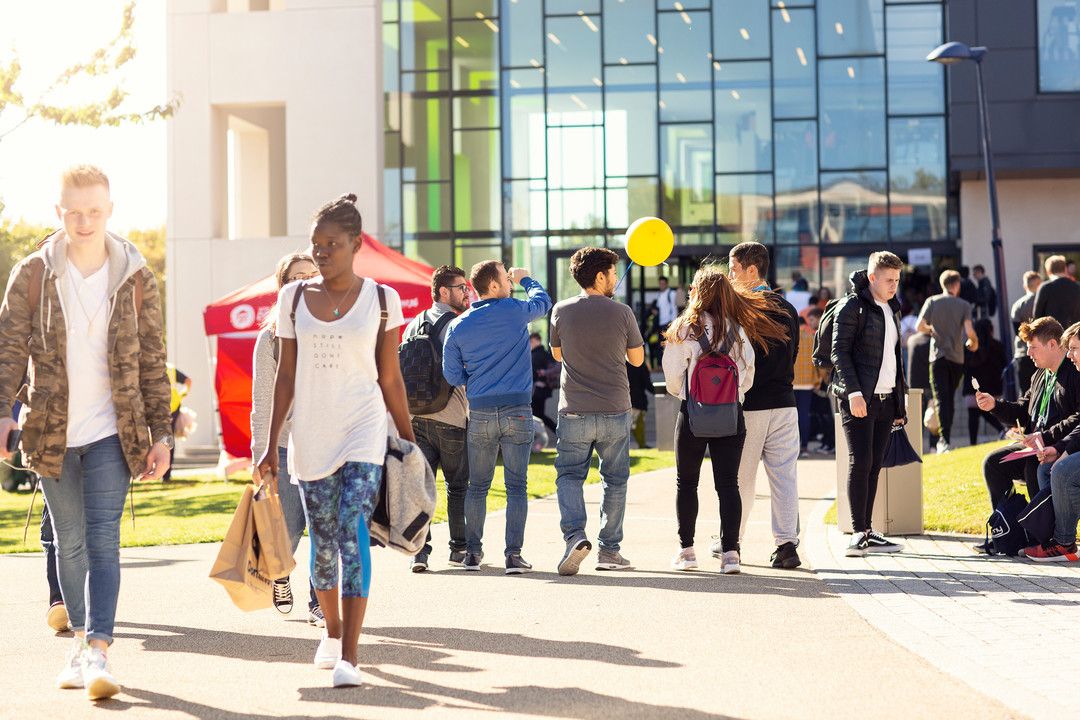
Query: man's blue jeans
x=509 y=428
x=578 y=436
x=1065 y=491
x=86 y=503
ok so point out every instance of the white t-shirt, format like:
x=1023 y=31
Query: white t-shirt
x=886 y=379
x=338 y=413
x=666 y=307
x=91 y=412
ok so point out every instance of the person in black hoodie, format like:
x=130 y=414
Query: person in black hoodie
x=1049 y=410
x=984 y=366
x=769 y=410
x=640 y=379
x=869 y=381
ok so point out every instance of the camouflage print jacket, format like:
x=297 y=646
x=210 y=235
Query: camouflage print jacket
x=140 y=387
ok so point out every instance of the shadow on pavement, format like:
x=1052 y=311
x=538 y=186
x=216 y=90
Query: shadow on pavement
x=160 y=701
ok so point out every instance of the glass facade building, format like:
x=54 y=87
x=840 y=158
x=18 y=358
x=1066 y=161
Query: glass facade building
x=525 y=129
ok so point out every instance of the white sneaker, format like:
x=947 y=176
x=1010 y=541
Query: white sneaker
x=329 y=652
x=730 y=564
x=685 y=560
x=716 y=548
x=346 y=675
x=71 y=677
x=100 y=684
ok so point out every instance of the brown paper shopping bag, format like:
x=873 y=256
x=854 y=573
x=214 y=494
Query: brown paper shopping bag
x=237 y=565
x=274 y=548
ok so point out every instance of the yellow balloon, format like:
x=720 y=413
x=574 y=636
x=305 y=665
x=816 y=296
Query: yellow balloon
x=649 y=241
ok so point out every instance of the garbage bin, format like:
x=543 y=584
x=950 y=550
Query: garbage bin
x=899 y=504
x=667 y=409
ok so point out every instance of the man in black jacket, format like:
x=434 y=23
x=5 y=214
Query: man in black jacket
x=869 y=380
x=770 y=414
x=1050 y=408
x=1059 y=296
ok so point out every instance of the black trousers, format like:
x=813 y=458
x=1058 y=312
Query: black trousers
x=999 y=477
x=974 y=414
x=539 y=405
x=945 y=377
x=725 y=455
x=1025 y=370
x=49 y=545
x=867 y=438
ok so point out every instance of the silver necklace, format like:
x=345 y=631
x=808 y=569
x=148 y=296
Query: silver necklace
x=337 y=308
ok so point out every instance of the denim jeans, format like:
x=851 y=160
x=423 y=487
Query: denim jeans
x=443 y=446
x=293 y=508
x=86 y=503
x=578 y=436
x=508 y=428
x=49 y=547
x=803 y=399
x=1065 y=484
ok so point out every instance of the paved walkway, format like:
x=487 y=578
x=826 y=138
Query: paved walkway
x=644 y=644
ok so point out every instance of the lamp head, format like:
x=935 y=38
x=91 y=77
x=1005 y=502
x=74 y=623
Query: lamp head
x=954 y=52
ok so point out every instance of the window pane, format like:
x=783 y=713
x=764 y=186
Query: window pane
x=468 y=254
x=835 y=271
x=576 y=209
x=476 y=112
x=573 y=65
x=681 y=4
x=687 y=174
x=425 y=207
x=630 y=120
x=794 y=66
x=390 y=10
x=792 y=3
x=853 y=207
x=521 y=31
x=390 y=58
x=917 y=179
x=742 y=119
x=432 y=252
x=424 y=132
x=791 y=259
x=629 y=199
x=528 y=205
x=796 y=181
x=476 y=180
x=685 y=67
x=423 y=34
x=915 y=86
x=570 y=7
x=852 y=113
x=575 y=157
x=469 y=8
x=476 y=56
x=740 y=29
x=744 y=206
x=851 y=27
x=628 y=27
x=523 y=139
x=1059 y=46
x=391 y=232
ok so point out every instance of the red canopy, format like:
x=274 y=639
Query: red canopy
x=236 y=318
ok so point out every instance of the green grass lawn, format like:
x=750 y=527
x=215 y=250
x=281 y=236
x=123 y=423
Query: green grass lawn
x=194 y=508
x=954 y=492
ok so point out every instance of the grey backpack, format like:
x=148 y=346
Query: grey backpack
x=406 y=499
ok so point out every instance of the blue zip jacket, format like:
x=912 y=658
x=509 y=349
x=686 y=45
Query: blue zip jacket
x=487 y=348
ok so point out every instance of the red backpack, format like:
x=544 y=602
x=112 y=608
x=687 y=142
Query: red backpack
x=712 y=401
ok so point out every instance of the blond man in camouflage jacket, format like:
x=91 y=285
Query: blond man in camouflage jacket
x=85 y=311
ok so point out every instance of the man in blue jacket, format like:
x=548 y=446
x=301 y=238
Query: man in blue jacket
x=487 y=351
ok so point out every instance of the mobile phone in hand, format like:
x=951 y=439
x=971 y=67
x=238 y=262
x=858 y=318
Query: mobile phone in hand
x=13 y=440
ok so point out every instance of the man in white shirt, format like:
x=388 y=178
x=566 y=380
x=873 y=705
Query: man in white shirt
x=667 y=308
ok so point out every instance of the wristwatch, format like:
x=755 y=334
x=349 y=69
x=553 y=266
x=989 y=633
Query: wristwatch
x=168 y=441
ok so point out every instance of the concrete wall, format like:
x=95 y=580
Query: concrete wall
x=318 y=60
x=1033 y=212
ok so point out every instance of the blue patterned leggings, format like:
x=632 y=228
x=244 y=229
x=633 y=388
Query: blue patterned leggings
x=337 y=509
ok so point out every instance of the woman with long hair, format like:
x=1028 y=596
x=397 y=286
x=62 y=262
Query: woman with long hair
x=293 y=267
x=731 y=321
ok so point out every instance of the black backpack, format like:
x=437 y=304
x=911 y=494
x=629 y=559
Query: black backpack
x=822 y=355
x=1005 y=533
x=421 y=367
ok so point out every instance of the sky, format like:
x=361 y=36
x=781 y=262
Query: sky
x=47 y=36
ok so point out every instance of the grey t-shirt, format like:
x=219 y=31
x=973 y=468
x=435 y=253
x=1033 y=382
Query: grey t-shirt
x=456 y=412
x=946 y=314
x=594 y=332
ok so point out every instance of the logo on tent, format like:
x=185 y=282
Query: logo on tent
x=242 y=317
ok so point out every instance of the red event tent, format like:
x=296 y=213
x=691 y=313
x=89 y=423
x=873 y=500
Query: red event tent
x=235 y=319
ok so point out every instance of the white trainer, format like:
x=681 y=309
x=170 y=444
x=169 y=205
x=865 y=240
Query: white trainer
x=100 y=684
x=71 y=677
x=730 y=562
x=329 y=652
x=685 y=560
x=346 y=675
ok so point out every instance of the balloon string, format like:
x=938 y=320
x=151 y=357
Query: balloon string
x=625 y=272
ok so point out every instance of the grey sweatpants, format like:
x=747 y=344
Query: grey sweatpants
x=772 y=436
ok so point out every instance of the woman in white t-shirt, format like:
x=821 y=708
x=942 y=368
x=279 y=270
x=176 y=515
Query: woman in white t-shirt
x=340 y=389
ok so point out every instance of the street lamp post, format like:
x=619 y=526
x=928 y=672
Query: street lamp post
x=947 y=54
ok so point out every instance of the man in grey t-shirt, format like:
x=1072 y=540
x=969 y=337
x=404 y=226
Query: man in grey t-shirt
x=947 y=319
x=593 y=336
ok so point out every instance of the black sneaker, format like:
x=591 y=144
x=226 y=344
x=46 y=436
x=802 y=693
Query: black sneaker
x=984 y=548
x=283 y=599
x=419 y=563
x=472 y=561
x=516 y=565
x=315 y=617
x=457 y=558
x=786 y=557
x=878 y=543
x=577 y=549
x=858 y=545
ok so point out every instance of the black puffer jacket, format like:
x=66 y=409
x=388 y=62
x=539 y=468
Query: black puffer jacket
x=856 y=355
